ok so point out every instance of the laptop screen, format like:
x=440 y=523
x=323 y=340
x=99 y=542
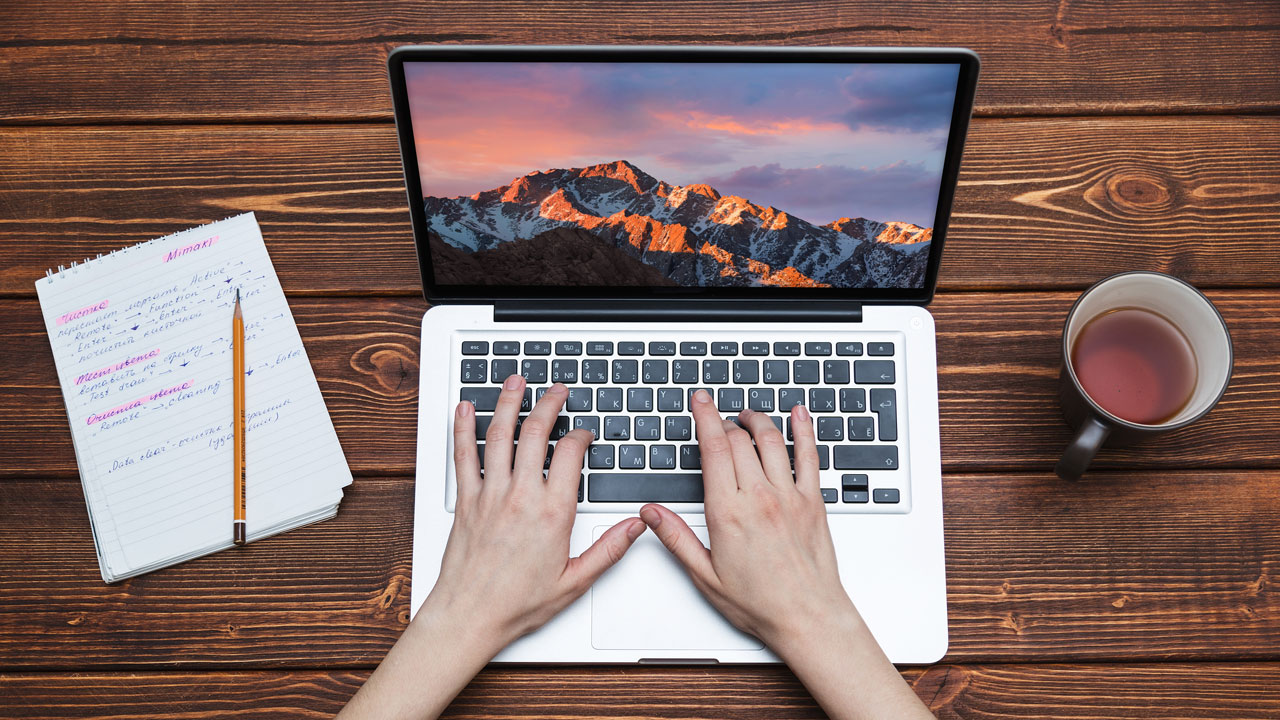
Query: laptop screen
x=814 y=175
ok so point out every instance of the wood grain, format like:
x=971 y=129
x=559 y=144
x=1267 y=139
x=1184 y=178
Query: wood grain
x=1048 y=203
x=999 y=357
x=326 y=60
x=1122 y=567
x=1200 y=691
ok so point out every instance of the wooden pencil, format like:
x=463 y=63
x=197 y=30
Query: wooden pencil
x=238 y=534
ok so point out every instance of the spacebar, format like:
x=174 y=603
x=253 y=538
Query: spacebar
x=644 y=487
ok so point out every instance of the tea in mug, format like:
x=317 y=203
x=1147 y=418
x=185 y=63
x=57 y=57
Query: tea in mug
x=1135 y=364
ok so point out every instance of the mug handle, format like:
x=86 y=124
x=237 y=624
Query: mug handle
x=1083 y=447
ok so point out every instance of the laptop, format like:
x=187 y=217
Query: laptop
x=642 y=222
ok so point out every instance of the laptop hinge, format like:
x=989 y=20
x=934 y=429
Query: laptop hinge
x=684 y=310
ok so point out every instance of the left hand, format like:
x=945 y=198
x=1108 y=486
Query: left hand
x=506 y=566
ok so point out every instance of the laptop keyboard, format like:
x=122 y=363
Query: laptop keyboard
x=634 y=396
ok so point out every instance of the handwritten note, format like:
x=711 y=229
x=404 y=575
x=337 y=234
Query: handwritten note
x=142 y=343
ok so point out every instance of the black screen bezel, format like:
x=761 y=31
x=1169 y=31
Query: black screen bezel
x=437 y=294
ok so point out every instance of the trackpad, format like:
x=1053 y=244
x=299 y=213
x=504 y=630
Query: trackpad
x=647 y=602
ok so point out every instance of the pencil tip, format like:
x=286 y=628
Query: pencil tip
x=237 y=294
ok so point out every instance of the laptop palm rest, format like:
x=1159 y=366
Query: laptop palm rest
x=647 y=602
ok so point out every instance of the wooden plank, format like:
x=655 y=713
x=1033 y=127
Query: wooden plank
x=1238 y=691
x=326 y=60
x=1122 y=567
x=1049 y=203
x=999 y=357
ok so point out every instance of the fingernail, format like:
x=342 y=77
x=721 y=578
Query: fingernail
x=702 y=396
x=635 y=531
x=464 y=408
x=514 y=382
x=558 y=388
x=651 y=517
x=802 y=414
x=745 y=413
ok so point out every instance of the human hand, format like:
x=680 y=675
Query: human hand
x=507 y=560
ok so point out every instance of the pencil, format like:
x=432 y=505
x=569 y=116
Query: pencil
x=237 y=370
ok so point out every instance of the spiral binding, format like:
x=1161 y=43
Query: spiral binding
x=75 y=268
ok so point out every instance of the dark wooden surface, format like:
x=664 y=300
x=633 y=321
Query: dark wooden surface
x=1111 y=136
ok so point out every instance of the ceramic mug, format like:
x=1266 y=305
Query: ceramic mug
x=1183 y=306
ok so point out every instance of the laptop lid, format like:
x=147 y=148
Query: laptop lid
x=630 y=173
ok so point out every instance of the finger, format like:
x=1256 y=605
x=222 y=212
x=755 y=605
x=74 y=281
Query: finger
x=500 y=439
x=535 y=431
x=746 y=464
x=806 y=450
x=466 y=461
x=583 y=570
x=770 y=447
x=717 y=462
x=675 y=534
x=566 y=463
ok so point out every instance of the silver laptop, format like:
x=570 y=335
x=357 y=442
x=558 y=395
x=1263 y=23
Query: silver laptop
x=640 y=222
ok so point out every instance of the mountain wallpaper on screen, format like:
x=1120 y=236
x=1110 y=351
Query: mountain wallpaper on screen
x=613 y=224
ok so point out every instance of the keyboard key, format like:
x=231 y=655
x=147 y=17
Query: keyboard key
x=484 y=399
x=678 y=427
x=866 y=457
x=880 y=348
x=777 y=372
x=822 y=400
x=506 y=347
x=664 y=347
x=630 y=348
x=786 y=348
x=500 y=370
x=873 y=372
x=849 y=348
x=693 y=348
x=690 y=458
x=644 y=487
x=831 y=428
x=854 y=482
x=599 y=347
x=608 y=399
x=475 y=347
x=692 y=390
x=885 y=495
x=853 y=400
x=746 y=372
x=568 y=347
x=600 y=457
x=648 y=427
x=807 y=372
x=824 y=456
x=662 y=457
x=684 y=371
x=630 y=457
x=564 y=371
x=789 y=398
x=639 y=399
x=777 y=422
x=855 y=496
x=560 y=428
x=835 y=372
x=626 y=372
x=730 y=400
x=595 y=372
x=884 y=403
x=760 y=399
x=654 y=371
x=817 y=348
x=474 y=370
x=617 y=427
x=537 y=347
x=830 y=495
x=715 y=372
x=546 y=463
x=587 y=422
x=723 y=347
x=526 y=403
x=535 y=371
x=579 y=400
x=670 y=400
x=862 y=428
x=582 y=484
x=755 y=348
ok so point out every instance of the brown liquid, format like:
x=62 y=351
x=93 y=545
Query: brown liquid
x=1135 y=364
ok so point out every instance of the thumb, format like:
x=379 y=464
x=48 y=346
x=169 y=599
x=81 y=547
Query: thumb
x=583 y=570
x=674 y=532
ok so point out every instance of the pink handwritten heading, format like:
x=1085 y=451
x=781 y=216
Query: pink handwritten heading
x=135 y=404
x=82 y=312
x=118 y=366
x=184 y=250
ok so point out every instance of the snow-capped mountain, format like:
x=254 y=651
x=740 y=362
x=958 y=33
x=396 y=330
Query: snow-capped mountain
x=691 y=233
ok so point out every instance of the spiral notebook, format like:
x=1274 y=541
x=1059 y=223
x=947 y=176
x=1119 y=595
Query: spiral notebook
x=142 y=343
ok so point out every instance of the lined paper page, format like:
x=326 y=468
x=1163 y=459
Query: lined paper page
x=142 y=343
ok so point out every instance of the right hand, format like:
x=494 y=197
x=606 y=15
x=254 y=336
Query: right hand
x=771 y=569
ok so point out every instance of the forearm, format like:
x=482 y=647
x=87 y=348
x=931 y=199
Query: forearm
x=438 y=654
x=847 y=673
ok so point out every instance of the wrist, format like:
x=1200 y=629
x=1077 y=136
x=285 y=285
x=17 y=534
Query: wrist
x=461 y=624
x=818 y=634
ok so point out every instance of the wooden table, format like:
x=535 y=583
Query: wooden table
x=1126 y=135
